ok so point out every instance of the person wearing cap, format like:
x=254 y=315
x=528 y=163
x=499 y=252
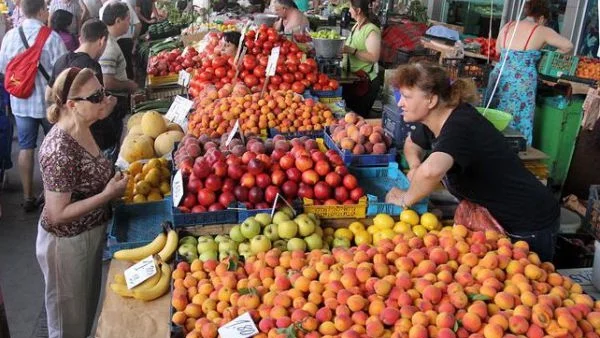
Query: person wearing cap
x=291 y=19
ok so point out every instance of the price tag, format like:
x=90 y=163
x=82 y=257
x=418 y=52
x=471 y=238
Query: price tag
x=236 y=128
x=272 y=65
x=179 y=110
x=241 y=327
x=277 y=197
x=177 y=188
x=140 y=271
x=184 y=78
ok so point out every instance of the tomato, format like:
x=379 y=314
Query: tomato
x=292 y=67
x=300 y=55
x=267 y=46
x=244 y=73
x=305 y=82
x=292 y=59
x=312 y=77
x=249 y=44
x=259 y=71
x=334 y=84
x=220 y=72
x=304 y=68
x=255 y=50
x=273 y=86
x=272 y=38
x=230 y=73
x=312 y=63
x=298 y=87
x=289 y=78
x=219 y=61
x=298 y=76
x=294 y=48
x=206 y=76
x=285 y=86
x=263 y=60
x=281 y=69
x=250 y=80
x=317 y=87
x=284 y=50
x=178 y=68
x=276 y=79
x=249 y=61
x=323 y=79
x=250 y=34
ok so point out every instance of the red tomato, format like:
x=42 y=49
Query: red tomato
x=317 y=87
x=250 y=34
x=249 y=43
x=256 y=50
x=323 y=79
x=288 y=78
x=304 y=68
x=219 y=61
x=292 y=67
x=259 y=71
x=305 y=82
x=263 y=60
x=250 y=80
x=206 y=76
x=298 y=87
x=334 y=84
x=220 y=72
x=294 y=48
x=285 y=86
x=230 y=73
x=276 y=79
x=273 y=86
x=312 y=77
x=292 y=59
x=281 y=69
x=267 y=46
x=298 y=76
x=312 y=63
x=284 y=50
x=249 y=62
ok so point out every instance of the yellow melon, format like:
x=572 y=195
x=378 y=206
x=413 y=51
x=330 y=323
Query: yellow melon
x=134 y=119
x=165 y=142
x=153 y=124
x=136 y=129
x=137 y=148
x=174 y=126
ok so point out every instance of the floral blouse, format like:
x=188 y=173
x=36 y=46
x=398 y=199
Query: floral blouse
x=67 y=167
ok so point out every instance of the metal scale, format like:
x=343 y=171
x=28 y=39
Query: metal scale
x=332 y=67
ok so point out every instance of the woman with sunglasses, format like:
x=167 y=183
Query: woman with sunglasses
x=79 y=182
x=362 y=54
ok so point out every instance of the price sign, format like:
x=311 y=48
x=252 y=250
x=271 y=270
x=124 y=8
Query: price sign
x=140 y=271
x=179 y=110
x=184 y=78
x=236 y=128
x=277 y=197
x=177 y=188
x=241 y=327
x=272 y=65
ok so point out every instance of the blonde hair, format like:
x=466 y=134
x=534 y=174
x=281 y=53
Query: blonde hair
x=79 y=77
x=433 y=79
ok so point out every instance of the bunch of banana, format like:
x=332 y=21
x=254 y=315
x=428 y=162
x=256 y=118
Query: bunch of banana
x=164 y=245
x=150 y=289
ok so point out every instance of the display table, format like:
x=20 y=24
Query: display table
x=124 y=317
x=584 y=278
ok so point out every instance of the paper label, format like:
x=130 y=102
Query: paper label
x=140 y=271
x=177 y=188
x=236 y=128
x=241 y=327
x=272 y=65
x=184 y=78
x=179 y=110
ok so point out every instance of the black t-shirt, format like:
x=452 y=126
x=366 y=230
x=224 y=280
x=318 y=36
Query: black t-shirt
x=488 y=173
x=102 y=130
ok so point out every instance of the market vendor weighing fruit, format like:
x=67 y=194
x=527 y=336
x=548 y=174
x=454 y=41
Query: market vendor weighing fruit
x=471 y=158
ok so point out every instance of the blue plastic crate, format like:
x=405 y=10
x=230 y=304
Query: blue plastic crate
x=393 y=124
x=244 y=213
x=377 y=184
x=328 y=93
x=369 y=160
x=134 y=225
x=181 y=219
x=311 y=134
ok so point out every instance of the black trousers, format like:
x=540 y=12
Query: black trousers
x=126 y=45
x=542 y=242
x=362 y=104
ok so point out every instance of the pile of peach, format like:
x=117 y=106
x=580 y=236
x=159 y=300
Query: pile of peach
x=450 y=283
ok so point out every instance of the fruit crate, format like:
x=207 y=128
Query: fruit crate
x=134 y=225
x=327 y=93
x=592 y=214
x=555 y=64
x=393 y=57
x=181 y=219
x=311 y=134
x=154 y=81
x=367 y=160
x=358 y=210
x=393 y=124
x=164 y=92
x=377 y=182
x=480 y=73
x=244 y=213
x=574 y=251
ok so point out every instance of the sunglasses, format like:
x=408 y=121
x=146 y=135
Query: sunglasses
x=97 y=97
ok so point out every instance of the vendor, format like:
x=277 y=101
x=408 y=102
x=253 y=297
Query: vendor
x=229 y=43
x=291 y=19
x=470 y=156
x=517 y=88
x=362 y=54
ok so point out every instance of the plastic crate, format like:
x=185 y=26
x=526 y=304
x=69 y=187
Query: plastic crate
x=369 y=160
x=311 y=134
x=180 y=219
x=377 y=182
x=165 y=92
x=555 y=64
x=327 y=94
x=393 y=57
x=358 y=210
x=244 y=213
x=480 y=73
x=393 y=123
x=569 y=255
x=452 y=66
x=592 y=214
x=134 y=225
x=162 y=80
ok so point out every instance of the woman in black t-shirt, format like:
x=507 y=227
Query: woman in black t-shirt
x=471 y=158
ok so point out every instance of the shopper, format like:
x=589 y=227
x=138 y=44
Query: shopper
x=362 y=54
x=60 y=22
x=126 y=40
x=71 y=6
x=228 y=45
x=78 y=188
x=91 y=9
x=144 y=9
x=517 y=88
x=470 y=156
x=17 y=16
x=30 y=112
x=291 y=19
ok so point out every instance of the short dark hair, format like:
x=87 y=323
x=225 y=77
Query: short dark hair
x=93 y=30
x=362 y=4
x=113 y=11
x=32 y=7
x=537 y=9
x=232 y=37
x=61 y=20
x=288 y=3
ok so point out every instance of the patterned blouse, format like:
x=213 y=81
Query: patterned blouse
x=67 y=167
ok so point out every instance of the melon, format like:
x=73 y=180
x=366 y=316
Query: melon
x=136 y=129
x=137 y=148
x=153 y=124
x=174 y=126
x=165 y=142
x=134 y=120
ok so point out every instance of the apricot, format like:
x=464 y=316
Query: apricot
x=471 y=322
x=518 y=324
x=493 y=331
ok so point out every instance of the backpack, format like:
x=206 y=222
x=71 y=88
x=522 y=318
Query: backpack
x=19 y=80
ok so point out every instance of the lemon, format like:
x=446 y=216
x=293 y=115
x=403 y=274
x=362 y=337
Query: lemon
x=362 y=237
x=154 y=196
x=139 y=198
x=153 y=163
x=142 y=188
x=163 y=162
x=430 y=221
x=138 y=177
x=377 y=237
x=153 y=177
x=419 y=230
x=409 y=216
x=401 y=228
x=344 y=233
x=165 y=173
x=372 y=229
x=383 y=221
x=387 y=233
x=165 y=187
x=135 y=168
x=356 y=227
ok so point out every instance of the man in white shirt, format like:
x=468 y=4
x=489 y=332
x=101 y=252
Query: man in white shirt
x=127 y=40
x=30 y=113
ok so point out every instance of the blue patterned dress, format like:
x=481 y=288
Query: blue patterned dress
x=517 y=88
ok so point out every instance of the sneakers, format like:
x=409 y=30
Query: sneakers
x=30 y=204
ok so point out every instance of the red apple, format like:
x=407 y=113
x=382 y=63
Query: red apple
x=213 y=155
x=233 y=159
x=290 y=189
x=278 y=177
x=263 y=180
x=183 y=210
x=303 y=163
x=194 y=184
x=186 y=166
x=311 y=144
x=241 y=193
x=357 y=193
x=226 y=198
x=322 y=168
x=330 y=201
x=310 y=177
x=248 y=180
x=189 y=200
x=228 y=184
x=265 y=159
x=248 y=156
x=330 y=153
x=341 y=194
x=333 y=179
x=341 y=170
x=216 y=207
x=262 y=205
x=322 y=191
x=293 y=174
x=277 y=154
x=336 y=160
x=201 y=168
x=206 y=197
x=255 y=195
x=198 y=209
x=255 y=166
x=350 y=182
x=306 y=191
x=213 y=183
x=317 y=155
x=271 y=193
x=220 y=168
x=287 y=161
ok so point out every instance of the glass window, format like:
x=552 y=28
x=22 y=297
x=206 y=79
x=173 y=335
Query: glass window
x=588 y=43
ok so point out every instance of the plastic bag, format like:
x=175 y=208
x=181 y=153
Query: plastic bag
x=476 y=218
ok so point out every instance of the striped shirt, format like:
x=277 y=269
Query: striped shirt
x=71 y=6
x=35 y=105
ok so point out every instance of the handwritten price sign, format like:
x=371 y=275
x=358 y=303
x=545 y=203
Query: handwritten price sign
x=241 y=327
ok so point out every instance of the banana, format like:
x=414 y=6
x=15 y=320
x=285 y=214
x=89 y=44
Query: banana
x=142 y=252
x=148 y=283
x=121 y=290
x=157 y=290
x=120 y=279
x=169 y=249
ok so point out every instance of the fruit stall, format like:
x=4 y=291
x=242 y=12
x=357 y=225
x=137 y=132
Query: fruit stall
x=256 y=207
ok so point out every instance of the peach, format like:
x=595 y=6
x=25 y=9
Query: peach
x=417 y=331
x=504 y=300
x=383 y=287
x=493 y=331
x=518 y=324
x=533 y=272
x=469 y=259
x=554 y=330
x=594 y=319
x=459 y=300
x=420 y=318
x=324 y=314
x=567 y=321
x=499 y=320
x=327 y=328
x=432 y=294
x=445 y=320
x=389 y=315
x=471 y=322
x=342 y=322
x=541 y=316
x=446 y=333
x=535 y=331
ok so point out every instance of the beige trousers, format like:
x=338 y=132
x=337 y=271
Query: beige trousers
x=72 y=268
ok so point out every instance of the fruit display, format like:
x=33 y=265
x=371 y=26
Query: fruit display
x=331 y=34
x=355 y=135
x=285 y=110
x=149 y=48
x=204 y=27
x=450 y=283
x=588 y=68
x=172 y=61
x=149 y=135
x=488 y=47
x=148 y=181
x=163 y=245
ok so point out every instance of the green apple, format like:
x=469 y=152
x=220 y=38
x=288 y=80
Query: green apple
x=314 y=241
x=207 y=245
x=280 y=217
x=287 y=229
x=263 y=218
x=319 y=231
x=314 y=218
x=250 y=228
x=187 y=250
x=225 y=254
x=260 y=243
x=289 y=211
x=296 y=244
x=328 y=239
x=305 y=226
x=341 y=242
x=281 y=244
x=208 y=255
x=244 y=246
x=271 y=232
x=227 y=245
x=220 y=238
x=188 y=239
x=236 y=234
x=246 y=254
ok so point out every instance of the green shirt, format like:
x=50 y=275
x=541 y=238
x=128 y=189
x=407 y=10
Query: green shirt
x=302 y=5
x=358 y=39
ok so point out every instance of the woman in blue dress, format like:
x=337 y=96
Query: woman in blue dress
x=518 y=84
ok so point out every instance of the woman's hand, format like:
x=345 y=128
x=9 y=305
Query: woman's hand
x=395 y=196
x=116 y=186
x=348 y=50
